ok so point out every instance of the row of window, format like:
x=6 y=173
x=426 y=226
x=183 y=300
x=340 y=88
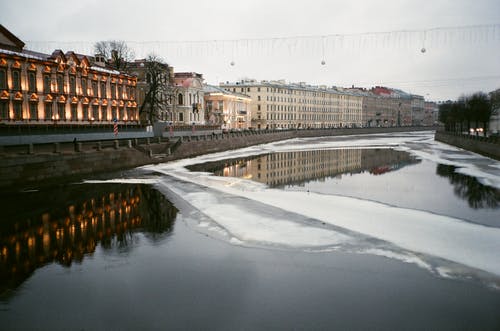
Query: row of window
x=116 y=90
x=290 y=91
x=57 y=111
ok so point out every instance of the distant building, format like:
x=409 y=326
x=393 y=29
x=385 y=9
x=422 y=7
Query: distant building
x=431 y=111
x=385 y=107
x=228 y=109
x=188 y=106
x=281 y=105
x=62 y=88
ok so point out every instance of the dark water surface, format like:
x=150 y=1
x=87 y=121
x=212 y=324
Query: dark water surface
x=122 y=257
x=384 y=175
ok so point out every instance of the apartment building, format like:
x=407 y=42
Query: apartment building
x=281 y=105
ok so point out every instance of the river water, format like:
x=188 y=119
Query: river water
x=383 y=232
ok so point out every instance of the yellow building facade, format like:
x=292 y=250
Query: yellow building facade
x=230 y=110
x=62 y=88
x=281 y=105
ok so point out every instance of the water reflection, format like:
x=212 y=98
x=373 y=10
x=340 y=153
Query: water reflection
x=67 y=224
x=470 y=189
x=295 y=168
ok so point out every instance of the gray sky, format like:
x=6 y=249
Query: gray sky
x=345 y=34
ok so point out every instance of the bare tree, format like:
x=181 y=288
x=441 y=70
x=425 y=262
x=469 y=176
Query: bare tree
x=116 y=51
x=159 y=85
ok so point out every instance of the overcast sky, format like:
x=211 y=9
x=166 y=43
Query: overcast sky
x=265 y=39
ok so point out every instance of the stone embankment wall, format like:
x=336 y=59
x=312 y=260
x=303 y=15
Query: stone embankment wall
x=30 y=166
x=485 y=146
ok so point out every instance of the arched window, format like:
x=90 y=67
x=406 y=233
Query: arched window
x=181 y=99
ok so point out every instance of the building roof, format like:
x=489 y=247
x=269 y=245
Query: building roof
x=215 y=89
x=15 y=44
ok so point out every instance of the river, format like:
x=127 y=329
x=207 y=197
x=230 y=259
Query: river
x=386 y=231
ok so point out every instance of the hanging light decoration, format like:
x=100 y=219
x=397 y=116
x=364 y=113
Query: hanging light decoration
x=323 y=62
x=423 y=50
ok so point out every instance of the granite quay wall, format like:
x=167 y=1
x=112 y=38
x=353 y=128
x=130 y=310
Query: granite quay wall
x=487 y=146
x=40 y=164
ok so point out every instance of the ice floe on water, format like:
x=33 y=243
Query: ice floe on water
x=247 y=213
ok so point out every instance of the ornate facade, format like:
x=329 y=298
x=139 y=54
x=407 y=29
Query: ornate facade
x=187 y=107
x=230 y=110
x=62 y=88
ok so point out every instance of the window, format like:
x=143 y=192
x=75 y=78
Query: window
x=16 y=80
x=120 y=92
x=95 y=91
x=221 y=106
x=85 y=112
x=209 y=105
x=95 y=112
x=33 y=110
x=103 y=90
x=181 y=117
x=104 y=110
x=74 y=114
x=4 y=110
x=258 y=98
x=3 y=79
x=122 y=114
x=84 y=87
x=18 y=111
x=60 y=83
x=114 y=113
x=48 y=110
x=181 y=99
x=32 y=81
x=258 y=107
x=72 y=85
x=113 y=91
x=61 y=113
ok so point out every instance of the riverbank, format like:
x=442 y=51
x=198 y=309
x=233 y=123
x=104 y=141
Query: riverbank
x=489 y=147
x=37 y=165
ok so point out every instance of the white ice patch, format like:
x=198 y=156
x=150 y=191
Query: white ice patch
x=123 y=181
x=257 y=228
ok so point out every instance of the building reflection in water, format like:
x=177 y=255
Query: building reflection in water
x=66 y=225
x=295 y=168
x=470 y=189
